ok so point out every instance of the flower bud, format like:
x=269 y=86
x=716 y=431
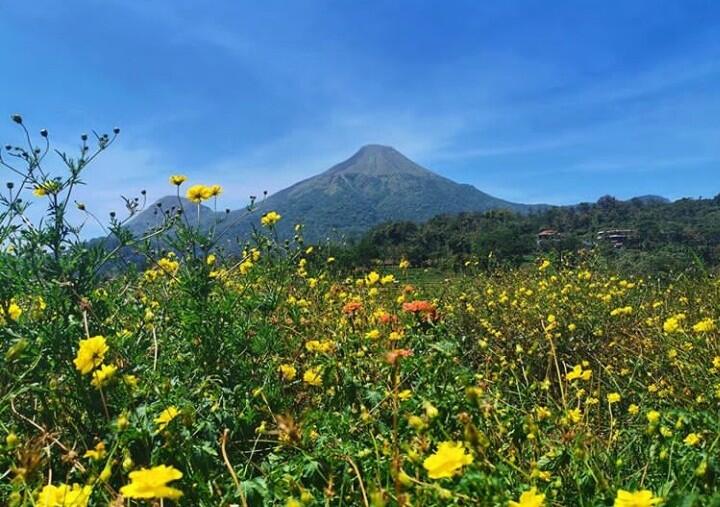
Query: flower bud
x=106 y=473
x=14 y=499
x=16 y=349
x=128 y=463
x=12 y=440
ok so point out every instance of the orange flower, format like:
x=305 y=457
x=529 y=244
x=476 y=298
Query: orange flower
x=351 y=308
x=386 y=318
x=396 y=354
x=425 y=309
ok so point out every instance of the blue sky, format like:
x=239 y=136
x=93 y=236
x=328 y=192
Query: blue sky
x=533 y=101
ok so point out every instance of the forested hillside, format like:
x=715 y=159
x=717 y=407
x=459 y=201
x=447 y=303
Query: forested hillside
x=654 y=233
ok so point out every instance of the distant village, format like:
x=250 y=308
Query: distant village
x=617 y=238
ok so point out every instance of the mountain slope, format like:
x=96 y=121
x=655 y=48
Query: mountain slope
x=376 y=185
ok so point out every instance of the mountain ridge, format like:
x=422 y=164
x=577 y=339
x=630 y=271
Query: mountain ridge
x=376 y=184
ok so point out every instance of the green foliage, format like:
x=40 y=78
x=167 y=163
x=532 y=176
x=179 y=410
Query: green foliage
x=667 y=237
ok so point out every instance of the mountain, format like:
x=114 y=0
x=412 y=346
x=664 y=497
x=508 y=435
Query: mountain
x=377 y=184
x=155 y=215
x=650 y=199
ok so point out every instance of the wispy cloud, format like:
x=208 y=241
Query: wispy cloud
x=512 y=149
x=638 y=165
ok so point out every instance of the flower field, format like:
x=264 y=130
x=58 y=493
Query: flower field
x=274 y=381
x=277 y=378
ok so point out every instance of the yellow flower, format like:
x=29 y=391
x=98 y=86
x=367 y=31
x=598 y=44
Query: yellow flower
x=313 y=377
x=449 y=458
x=166 y=416
x=130 y=380
x=288 y=371
x=625 y=310
x=542 y=413
x=122 y=422
x=543 y=475
x=613 y=398
x=692 y=439
x=404 y=264
x=642 y=498
x=430 y=410
x=387 y=279
x=574 y=415
x=96 y=454
x=103 y=375
x=90 y=354
x=64 y=496
x=293 y=502
x=530 y=498
x=214 y=190
x=405 y=394
x=416 y=422
x=545 y=264
x=152 y=483
x=653 y=416
x=270 y=218
x=197 y=193
x=177 y=179
x=46 y=187
x=704 y=326
x=578 y=373
x=673 y=324
x=372 y=278
x=14 y=311
x=320 y=346
x=373 y=334
x=168 y=265
x=633 y=409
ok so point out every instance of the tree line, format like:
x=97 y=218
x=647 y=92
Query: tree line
x=642 y=234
